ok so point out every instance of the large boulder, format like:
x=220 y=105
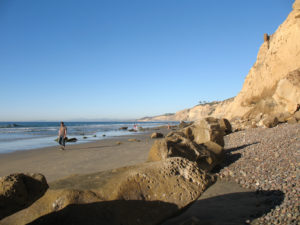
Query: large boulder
x=207 y=155
x=204 y=130
x=18 y=191
x=143 y=194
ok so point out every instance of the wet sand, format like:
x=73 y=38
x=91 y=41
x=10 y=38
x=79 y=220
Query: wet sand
x=80 y=158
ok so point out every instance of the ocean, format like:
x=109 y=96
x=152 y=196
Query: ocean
x=16 y=136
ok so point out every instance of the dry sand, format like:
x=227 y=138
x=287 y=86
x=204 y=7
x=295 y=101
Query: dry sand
x=80 y=158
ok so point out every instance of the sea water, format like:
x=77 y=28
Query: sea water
x=15 y=136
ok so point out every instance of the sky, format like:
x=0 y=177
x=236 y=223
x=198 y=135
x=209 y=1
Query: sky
x=126 y=59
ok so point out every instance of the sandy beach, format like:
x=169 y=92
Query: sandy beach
x=243 y=193
x=80 y=158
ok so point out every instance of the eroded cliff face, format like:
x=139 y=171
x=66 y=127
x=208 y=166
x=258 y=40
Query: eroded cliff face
x=272 y=85
x=274 y=76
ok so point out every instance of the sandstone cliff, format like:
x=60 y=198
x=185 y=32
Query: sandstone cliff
x=272 y=85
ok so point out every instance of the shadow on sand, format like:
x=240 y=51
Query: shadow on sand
x=226 y=209
x=240 y=147
x=118 y=212
x=229 y=209
x=230 y=157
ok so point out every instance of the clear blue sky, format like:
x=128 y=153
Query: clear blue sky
x=92 y=59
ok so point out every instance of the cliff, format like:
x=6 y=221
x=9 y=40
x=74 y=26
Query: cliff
x=272 y=85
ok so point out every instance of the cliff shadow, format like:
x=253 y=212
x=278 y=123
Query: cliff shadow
x=229 y=209
x=118 y=212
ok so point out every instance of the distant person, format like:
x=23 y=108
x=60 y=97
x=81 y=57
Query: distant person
x=169 y=126
x=62 y=135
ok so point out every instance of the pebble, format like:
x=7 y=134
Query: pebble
x=269 y=161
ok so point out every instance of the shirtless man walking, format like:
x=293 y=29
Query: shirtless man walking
x=62 y=134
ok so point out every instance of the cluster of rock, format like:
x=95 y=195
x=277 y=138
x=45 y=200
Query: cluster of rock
x=175 y=175
x=201 y=142
x=265 y=120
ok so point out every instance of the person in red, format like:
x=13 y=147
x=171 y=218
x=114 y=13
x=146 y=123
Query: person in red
x=62 y=134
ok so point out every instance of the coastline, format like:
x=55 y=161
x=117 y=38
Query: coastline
x=110 y=153
x=242 y=194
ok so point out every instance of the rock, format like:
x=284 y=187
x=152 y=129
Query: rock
x=18 y=191
x=123 y=128
x=157 y=135
x=67 y=139
x=175 y=145
x=133 y=140
x=215 y=148
x=287 y=93
x=84 y=137
x=183 y=124
x=270 y=121
x=141 y=129
x=296 y=5
x=292 y=120
x=142 y=194
x=283 y=117
x=297 y=115
x=71 y=139
x=205 y=130
x=225 y=125
x=132 y=130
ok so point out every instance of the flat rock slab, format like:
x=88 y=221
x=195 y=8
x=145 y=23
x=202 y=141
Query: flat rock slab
x=227 y=203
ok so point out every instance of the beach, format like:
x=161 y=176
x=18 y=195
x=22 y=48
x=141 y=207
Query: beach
x=83 y=158
x=254 y=185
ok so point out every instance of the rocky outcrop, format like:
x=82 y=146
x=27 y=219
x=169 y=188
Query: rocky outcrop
x=142 y=194
x=18 y=191
x=204 y=130
x=200 y=142
x=272 y=85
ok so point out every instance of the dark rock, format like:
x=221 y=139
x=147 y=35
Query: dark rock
x=157 y=135
x=132 y=130
x=18 y=191
x=71 y=139
x=225 y=125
